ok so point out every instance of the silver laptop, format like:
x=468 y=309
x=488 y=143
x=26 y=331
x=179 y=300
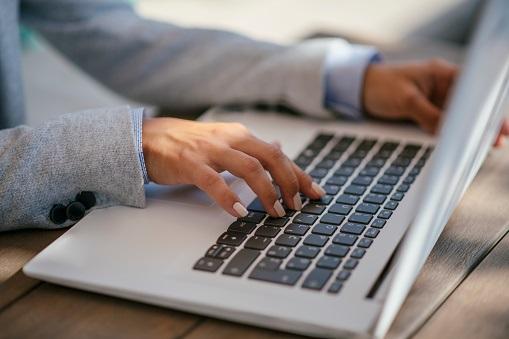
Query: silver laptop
x=324 y=271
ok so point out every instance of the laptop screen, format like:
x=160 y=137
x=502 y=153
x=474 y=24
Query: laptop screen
x=470 y=126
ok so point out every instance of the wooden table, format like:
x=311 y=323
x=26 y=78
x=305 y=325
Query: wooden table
x=461 y=292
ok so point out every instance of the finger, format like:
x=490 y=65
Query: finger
x=500 y=141
x=251 y=170
x=209 y=181
x=279 y=166
x=307 y=186
x=444 y=75
x=423 y=111
x=306 y=183
x=504 y=130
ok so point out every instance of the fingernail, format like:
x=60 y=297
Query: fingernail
x=280 y=211
x=240 y=209
x=318 y=190
x=297 y=202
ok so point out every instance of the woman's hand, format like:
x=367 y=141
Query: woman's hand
x=415 y=91
x=185 y=152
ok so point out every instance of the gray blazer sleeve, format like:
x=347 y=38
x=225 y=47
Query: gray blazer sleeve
x=183 y=69
x=84 y=151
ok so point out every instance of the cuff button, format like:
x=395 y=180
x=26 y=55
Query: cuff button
x=75 y=211
x=58 y=214
x=87 y=198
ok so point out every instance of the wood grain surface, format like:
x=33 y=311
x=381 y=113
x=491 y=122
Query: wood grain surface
x=479 y=308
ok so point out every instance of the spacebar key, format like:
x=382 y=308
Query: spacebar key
x=285 y=277
x=240 y=262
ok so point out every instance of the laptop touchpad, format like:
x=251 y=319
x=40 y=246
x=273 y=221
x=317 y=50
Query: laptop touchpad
x=190 y=194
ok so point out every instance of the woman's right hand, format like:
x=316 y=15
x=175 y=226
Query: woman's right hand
x=186 y=152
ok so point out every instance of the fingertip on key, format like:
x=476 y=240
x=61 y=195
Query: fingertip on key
x=317 y=189
x=240 y=209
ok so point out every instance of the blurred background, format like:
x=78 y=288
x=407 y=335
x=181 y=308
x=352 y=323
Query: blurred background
x=401 y=29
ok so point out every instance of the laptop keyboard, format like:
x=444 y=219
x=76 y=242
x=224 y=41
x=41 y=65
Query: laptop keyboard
x=319 y=247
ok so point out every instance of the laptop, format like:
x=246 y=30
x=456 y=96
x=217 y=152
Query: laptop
x=340 y=267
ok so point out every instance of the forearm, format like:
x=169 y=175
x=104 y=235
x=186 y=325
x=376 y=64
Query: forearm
x=179 y=68
x=91 y=151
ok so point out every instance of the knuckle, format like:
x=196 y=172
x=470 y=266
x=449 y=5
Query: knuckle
x=410 y=97
x=252 y=165
x=275 y=153
x=210 y=180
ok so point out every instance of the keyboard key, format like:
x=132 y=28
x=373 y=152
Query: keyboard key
x=371 y=233
x=313 y=209
x=331 y=189
x=403 y=188
x=317 y=278
x=343 y=275
x=415 y=171
x=375 y=198
x=270 y=264
x=339 y=181
x=398 y=196
x=328 y=262
x=378 y=223
x=381 y=189
x=335 y=287
x=385 y=214
x=305 y=219
x=340 y=209
x=325 y=200
x=352 y=162
x=307 y=251
x=213 y=251
x=370 y=171
x=208 y=264
x=366 y=144
x=253 y=217
x=241 y=262
x=287 y=240
x=267 y=231
x=360 y=218
x=344 y=239
x=344 y=171
x=231 y=238
x=355 y=190
x=319 y=173
x=363 y=180
x=352 y=228
x=299 y=264
x=388 y=180
x=333 y=155
x=324 y=229
x=390 y=145
x=350 y=264
x=376 y=162
x=278 y=251
x=344 y=143
x=401 y=161
x=334 y=219
x=391 y=205
x=278 y=222
x=296 y=229
x=337 y=250
x=225 y=252
x=367 y=208
x=326 y=163
x=242 y=227
x=315 y=240
x=358 y=253
x=256 y=206
x=365 y=242
x=303 y=162
x=409 y=180
x=257 y=243
x=395 y=170
x=285 y=277
x=347 y=199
